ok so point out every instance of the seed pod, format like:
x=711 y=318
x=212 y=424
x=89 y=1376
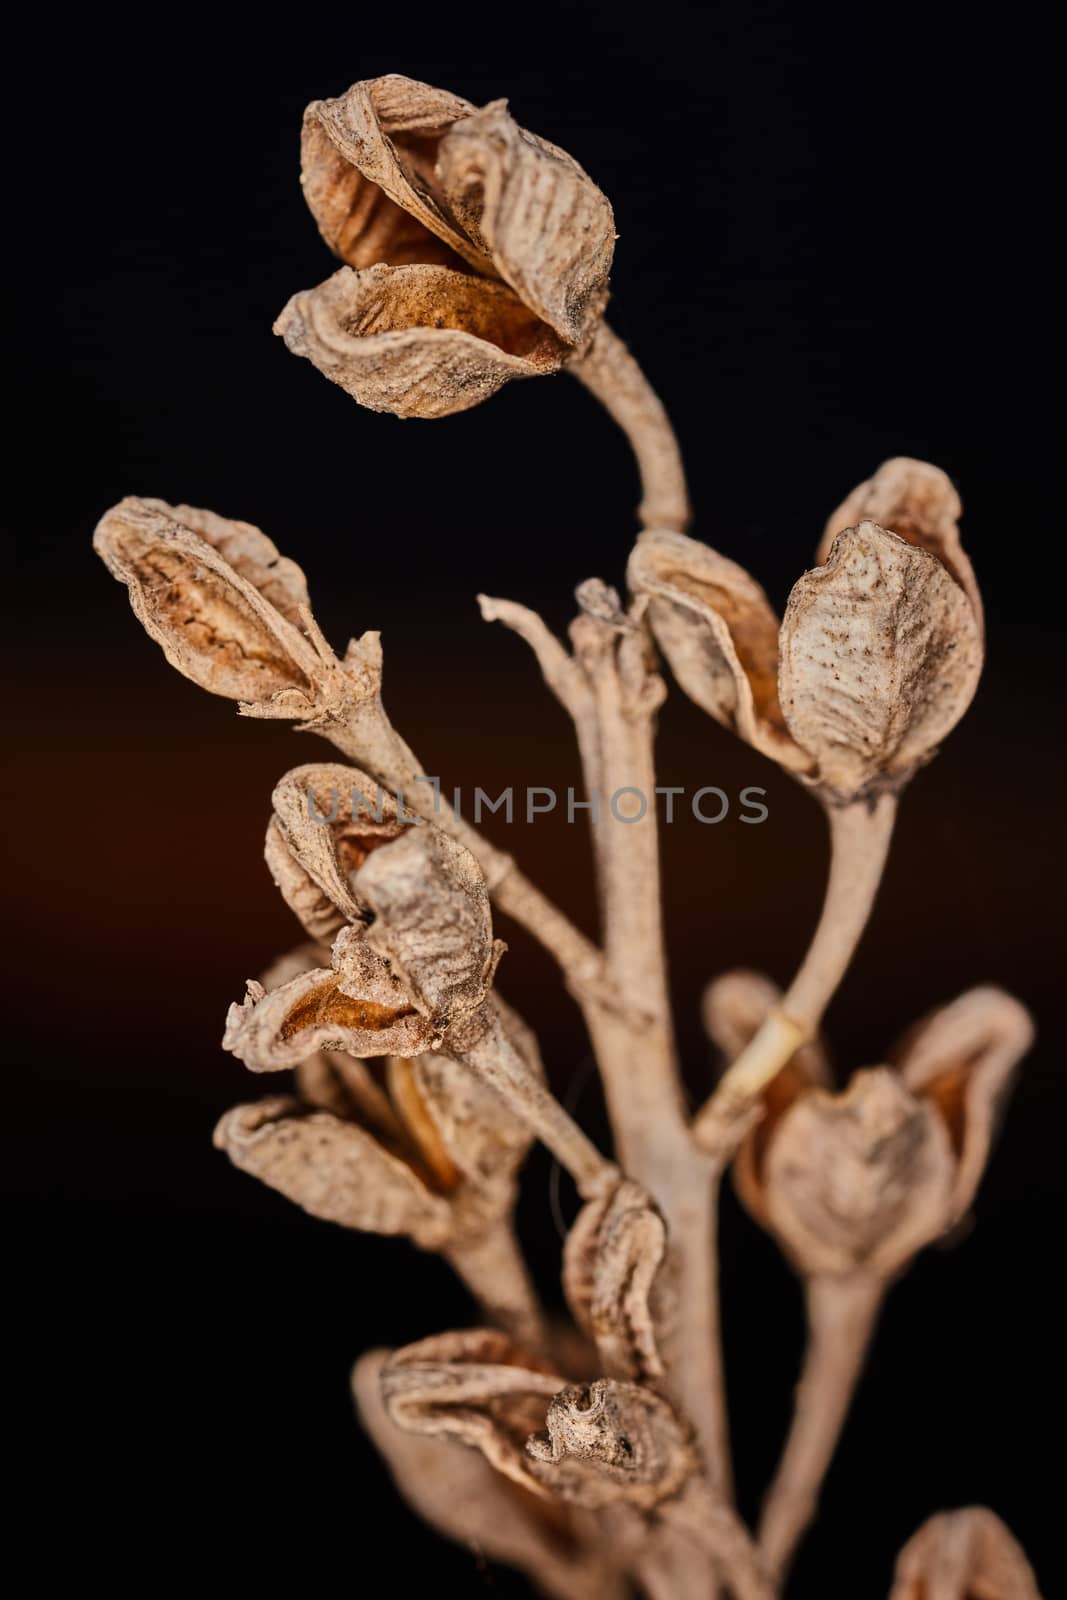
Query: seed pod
x=612 y=1256
x=357 y=1005
x=719 y=635
x=919 y=503
x=330 y=818
x=418 y=341
x=398 y=172
x=463 y=1498
x=963 y=1555
x=858 y=1181
x=333 y=1169
x=432 y=922
x=607 y=1443
x=880 y=657
x=218 y=598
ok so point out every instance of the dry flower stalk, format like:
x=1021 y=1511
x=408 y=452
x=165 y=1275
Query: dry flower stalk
x=595 y=1459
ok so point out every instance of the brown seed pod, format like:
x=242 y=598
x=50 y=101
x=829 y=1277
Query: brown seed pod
x=964 y=1555
x=330 y=818
x=608 y=1443
x=612 y=1255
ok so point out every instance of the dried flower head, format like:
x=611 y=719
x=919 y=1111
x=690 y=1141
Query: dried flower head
x=964 y=1555
x=476 y=251
x=862 y=1179
x=876 y=660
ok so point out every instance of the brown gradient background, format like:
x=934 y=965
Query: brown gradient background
x=816 y=267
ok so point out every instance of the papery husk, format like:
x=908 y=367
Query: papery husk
x=218 y=599
x=460 y=1495
x=327 y=814
x=719 y=634
x=333 y=1169
x=918 y=502
x=418 y=341
x=609 y=1443
x=880 y=657
x=964 y=1555
x=612 y=1256
x=858 y=1181
x=357 y=1005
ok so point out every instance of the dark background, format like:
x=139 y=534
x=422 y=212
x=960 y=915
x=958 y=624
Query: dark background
x=824 y=259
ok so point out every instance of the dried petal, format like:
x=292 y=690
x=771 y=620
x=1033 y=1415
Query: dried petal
x=735 y=1005
x=964 y=1555
x=367 y=171
x=432 y=922
x=609 y=1442
x=218 y=624
x=612 y=1256
x=918 y=502
x=357 y=1006
x=331 y=817
x=333 y=1169
x=548 y=229
x=719 y=634
x=459 y=1494
x=419 y=341
x=475 y=1387
x=858 y=1180
x=962 y=1061
x=881 y=655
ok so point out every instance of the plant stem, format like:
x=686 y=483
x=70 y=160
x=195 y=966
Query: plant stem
x=842 y=1313
x=859 y=843
x=494 y=1270
x=609 y=371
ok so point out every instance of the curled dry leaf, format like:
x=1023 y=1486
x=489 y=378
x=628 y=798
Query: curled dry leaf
x=609 y=1443
x=881 y=655
x=919 y=503
x=611 y=1259
x=330 y=818
x=357 y=1005
x=964 y=1555
x=876 y=660
x=417 y=341
x=398 y=172
x=333 y=1169
x=459 y=1494
x=432 y=922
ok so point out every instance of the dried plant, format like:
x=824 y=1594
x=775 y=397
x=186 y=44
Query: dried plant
x=594 y=1458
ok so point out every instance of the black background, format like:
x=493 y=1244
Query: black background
x=824 y=259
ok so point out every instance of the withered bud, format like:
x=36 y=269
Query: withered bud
x=397 y=172
x=330 y=817
x=608 y=1442
x=611 y=1259
x=229 y=612
x=964 y=1555
x=876 y=660
x=332 y=1168
x=357 y=1005
x=432 y=922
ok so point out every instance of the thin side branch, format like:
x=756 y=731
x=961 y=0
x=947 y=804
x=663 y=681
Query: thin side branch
x=859 y=843
x=842 y=1313
x=609 y=371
